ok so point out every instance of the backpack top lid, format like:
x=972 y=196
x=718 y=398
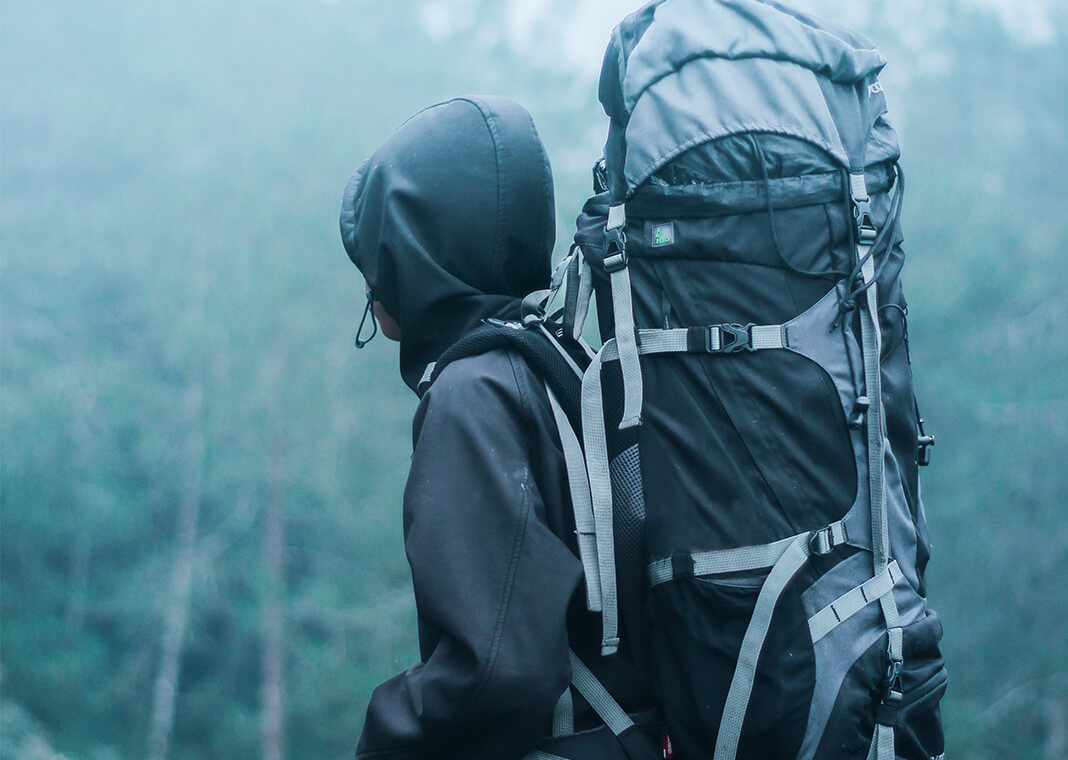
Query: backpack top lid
x=680 y=73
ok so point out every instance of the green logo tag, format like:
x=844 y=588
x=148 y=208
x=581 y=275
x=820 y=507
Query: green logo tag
x=664 y=234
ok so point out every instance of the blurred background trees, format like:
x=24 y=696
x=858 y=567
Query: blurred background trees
x=200 y=549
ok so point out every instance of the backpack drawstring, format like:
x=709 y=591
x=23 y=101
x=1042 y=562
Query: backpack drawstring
x=368 y=310
x=849 y=302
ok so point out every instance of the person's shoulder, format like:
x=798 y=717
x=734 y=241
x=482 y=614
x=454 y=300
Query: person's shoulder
x=492 y=378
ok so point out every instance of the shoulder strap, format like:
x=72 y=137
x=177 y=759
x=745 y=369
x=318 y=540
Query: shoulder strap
x=552 y=357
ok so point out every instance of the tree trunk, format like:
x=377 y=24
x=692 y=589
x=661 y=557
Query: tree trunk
x=272 y=690
x=176 y=614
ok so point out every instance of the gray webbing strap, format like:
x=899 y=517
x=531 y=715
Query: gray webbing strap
x=596 y=446
x=623 y=316
x=730 y=727
x=627 y=343
x=654 y=341
x=882 y=747
x=598 y=697
x=585 y=527
x=871 y=344
x=761 y=337
x=853 y=601
x=723 y=561
x=746 y=557
x=882 y=743
x=585 y=292
x=677 y=340
x=564 y=714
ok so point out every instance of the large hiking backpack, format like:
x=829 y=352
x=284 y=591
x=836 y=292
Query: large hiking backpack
x=746 y=492
x=752 y=405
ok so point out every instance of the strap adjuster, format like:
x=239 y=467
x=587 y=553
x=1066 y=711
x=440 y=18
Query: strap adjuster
x=893 y=695
x=740 y=338
x=615 y=250
x=822 y=541
x=682 y=565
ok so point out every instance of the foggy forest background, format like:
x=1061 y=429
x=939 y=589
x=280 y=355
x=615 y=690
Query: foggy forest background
x=200 y=552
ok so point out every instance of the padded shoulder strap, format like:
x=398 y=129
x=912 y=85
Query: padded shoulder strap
x=554 y=360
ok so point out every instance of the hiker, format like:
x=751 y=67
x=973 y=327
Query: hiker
x=452 y=222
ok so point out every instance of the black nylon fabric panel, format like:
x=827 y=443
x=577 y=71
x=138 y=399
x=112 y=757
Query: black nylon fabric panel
x=699 y=651
x=763 y=434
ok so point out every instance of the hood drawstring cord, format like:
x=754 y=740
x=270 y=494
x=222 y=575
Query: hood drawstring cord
x=367 y=310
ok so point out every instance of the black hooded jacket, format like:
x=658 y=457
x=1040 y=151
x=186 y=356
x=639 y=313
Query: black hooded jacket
x=451 y=221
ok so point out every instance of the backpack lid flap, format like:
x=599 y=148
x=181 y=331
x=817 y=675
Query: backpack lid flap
x=686 y=30
x=705 y=70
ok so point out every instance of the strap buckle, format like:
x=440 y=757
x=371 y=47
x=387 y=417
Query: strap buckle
x=741 y=338
x=822 y=541
x=615 y=250
x=893 y=695
x=924 y=442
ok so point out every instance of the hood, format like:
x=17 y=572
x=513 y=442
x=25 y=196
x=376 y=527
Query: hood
x=452 y=221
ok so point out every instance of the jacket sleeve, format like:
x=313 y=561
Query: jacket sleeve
x=492 y=582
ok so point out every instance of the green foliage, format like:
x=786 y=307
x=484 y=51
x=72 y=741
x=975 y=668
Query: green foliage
x=173 y=281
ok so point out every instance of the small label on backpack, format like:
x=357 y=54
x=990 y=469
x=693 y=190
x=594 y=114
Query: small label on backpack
x=664 y=234
x=669 y=751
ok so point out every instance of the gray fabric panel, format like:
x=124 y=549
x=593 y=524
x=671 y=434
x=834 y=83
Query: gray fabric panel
x=596 y=445
x=627 y=345
x=903 y=539
x=882 y=144
x=809 y=334
x=598 y=697
x=564 y=714
x=712 y=98
x=730 y=727
x=838 y=580
x=581 y=503
x=688 y=29
x=835 y=654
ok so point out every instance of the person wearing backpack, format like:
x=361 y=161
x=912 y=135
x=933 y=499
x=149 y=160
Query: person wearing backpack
x=452 y=223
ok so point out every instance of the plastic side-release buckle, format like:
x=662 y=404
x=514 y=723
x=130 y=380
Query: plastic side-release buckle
x=888 y=710
x=740 y=338
x=615 y=250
